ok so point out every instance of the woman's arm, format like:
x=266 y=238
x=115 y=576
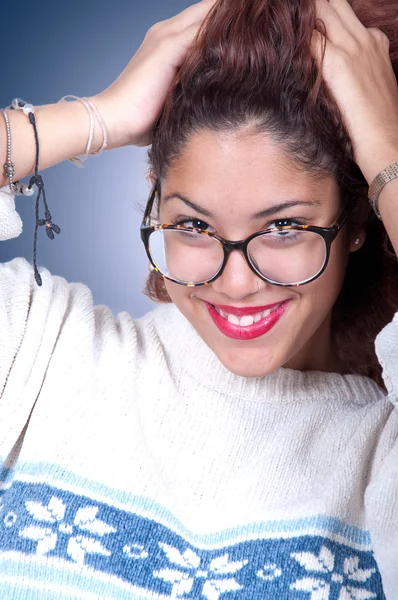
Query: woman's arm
x=388 y=207
x=358 y=69
x=129 y=107
x=388 y=199
x=63 y=132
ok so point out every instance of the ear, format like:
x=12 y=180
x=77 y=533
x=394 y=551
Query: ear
x=357 y=230
x=151 y=177
x=357 y=240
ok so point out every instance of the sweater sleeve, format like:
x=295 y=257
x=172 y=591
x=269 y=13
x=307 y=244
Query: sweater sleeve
x=31 y=321
x=54 y=337
x=381 y=495
x=10 y=221
x=387 y=353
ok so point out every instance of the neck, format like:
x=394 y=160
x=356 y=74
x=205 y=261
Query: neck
x=319 y=353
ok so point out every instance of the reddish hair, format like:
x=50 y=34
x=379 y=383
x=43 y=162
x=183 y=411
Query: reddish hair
x=251 y=65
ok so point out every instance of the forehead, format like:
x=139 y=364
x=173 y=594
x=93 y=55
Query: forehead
x=241 y=169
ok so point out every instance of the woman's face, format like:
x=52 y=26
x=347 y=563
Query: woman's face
x=233 y=177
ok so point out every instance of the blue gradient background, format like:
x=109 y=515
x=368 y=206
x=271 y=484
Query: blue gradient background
x=52 y=49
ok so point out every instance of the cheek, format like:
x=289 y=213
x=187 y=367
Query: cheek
x=324 y=291
x=179 y=294
x=186 y=300
x=338 y=261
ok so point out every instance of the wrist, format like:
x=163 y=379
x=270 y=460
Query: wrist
x=118 y=135
x=374 y=164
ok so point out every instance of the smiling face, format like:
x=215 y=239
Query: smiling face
x=229 y=178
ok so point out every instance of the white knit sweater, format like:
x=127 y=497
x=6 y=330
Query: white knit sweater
x=133 y=465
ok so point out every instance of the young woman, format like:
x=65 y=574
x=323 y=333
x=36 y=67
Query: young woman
x=240 y=441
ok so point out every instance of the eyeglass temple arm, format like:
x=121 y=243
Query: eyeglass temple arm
x=148 y=210
x=343 y=218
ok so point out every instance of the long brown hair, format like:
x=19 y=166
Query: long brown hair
x=251 y=65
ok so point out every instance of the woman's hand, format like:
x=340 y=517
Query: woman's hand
x=358 y=70
x=131 y=105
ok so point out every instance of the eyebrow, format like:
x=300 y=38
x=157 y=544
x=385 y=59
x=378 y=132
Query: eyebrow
x=259 y=215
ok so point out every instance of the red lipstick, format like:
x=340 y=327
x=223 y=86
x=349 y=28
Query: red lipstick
x=247 y=310
x=248 y=332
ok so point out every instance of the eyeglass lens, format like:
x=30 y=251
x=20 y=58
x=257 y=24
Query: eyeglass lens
x=287 y=257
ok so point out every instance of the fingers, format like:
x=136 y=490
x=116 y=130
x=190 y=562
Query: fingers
x=347 y=15
x=344 y=31
x=181 y=41
x=193 y=14
x=380 y=36
x=318 y=45
x=173 y=36
x=342 y=25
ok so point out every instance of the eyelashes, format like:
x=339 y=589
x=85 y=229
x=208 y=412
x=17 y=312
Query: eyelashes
x=196 y=223
x=203 y=225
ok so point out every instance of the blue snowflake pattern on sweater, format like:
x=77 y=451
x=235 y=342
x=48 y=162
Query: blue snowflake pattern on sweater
x=44 y=523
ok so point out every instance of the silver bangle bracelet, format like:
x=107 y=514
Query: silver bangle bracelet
x=15 y=187
x=9 y=166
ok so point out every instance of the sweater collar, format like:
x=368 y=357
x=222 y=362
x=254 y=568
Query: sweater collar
x=188 y=353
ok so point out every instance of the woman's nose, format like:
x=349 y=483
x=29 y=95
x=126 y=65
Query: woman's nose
x=237 y=279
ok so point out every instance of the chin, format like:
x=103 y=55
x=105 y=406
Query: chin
x=245 y=364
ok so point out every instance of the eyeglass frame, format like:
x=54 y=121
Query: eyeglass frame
x=328 y=234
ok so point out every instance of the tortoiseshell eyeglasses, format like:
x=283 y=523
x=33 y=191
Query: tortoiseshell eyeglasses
x=285 y=255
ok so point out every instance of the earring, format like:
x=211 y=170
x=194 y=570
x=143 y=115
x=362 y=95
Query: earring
x=357 y=241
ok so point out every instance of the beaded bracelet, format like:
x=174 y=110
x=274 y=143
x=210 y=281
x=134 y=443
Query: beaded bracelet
x=37 y=180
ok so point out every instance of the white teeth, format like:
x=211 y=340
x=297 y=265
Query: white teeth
x=247 y=320
x=233 y=319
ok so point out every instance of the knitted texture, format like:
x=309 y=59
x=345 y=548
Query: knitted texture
x=10 y=221
x=134 y=465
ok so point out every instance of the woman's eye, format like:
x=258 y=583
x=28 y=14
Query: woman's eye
x=285 y=223
x=196 y=223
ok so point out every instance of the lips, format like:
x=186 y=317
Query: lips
x=246 y=320
x=247 y=310
x=248 y=332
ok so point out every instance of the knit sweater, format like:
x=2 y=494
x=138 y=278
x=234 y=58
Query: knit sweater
x=135 y=466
